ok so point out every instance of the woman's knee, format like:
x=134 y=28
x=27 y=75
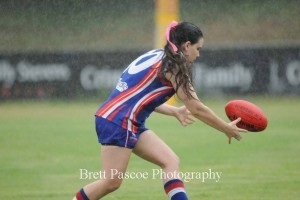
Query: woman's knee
x=113 y=184
x=172 y=161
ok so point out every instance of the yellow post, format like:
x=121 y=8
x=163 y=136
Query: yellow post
x=165 y=12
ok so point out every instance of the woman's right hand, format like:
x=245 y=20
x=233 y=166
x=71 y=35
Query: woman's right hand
x=234 y=131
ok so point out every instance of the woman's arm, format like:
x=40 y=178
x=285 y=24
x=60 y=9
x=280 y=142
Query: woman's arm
x=182 y=114
x=166 y=109
x=206 y=115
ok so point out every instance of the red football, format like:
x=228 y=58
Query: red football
x=253 y=118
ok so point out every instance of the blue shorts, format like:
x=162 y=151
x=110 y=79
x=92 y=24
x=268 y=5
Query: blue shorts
x=110 y=133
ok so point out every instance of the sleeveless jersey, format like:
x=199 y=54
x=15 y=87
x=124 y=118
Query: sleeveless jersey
x=139 y=91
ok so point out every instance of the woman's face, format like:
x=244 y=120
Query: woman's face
x=192 y=51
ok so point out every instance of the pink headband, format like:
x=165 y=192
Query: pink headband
x=167 y=34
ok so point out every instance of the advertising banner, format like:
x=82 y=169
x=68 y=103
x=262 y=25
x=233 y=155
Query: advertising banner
x=217 y=72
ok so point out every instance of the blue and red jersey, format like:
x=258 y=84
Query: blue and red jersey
x=139 y=91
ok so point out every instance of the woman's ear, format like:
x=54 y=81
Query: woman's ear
x=186 y=45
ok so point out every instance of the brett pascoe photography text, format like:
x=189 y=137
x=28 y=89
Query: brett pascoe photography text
x=202 y=176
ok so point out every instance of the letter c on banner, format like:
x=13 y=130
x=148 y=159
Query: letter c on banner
x=293 y=73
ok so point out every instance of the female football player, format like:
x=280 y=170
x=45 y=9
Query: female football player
x=144 y=86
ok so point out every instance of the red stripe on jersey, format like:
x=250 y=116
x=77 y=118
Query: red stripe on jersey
x=144 y=103
x=110 y=104
x=173 y=186
x=113 y=114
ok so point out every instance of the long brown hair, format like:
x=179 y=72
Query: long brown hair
x=175 y=63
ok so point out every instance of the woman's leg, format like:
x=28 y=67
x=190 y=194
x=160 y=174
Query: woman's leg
x=153 y=149
x=114 y=159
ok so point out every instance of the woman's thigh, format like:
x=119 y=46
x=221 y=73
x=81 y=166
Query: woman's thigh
x=153 y=149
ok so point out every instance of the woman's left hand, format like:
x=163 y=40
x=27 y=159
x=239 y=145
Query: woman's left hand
x=184 y=116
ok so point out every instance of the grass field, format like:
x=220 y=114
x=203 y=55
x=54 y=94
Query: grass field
x=44 y=144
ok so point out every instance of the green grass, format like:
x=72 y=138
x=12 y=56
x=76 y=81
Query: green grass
x=44 y=144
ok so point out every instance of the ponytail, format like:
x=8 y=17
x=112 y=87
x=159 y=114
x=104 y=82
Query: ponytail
x=174 y=61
